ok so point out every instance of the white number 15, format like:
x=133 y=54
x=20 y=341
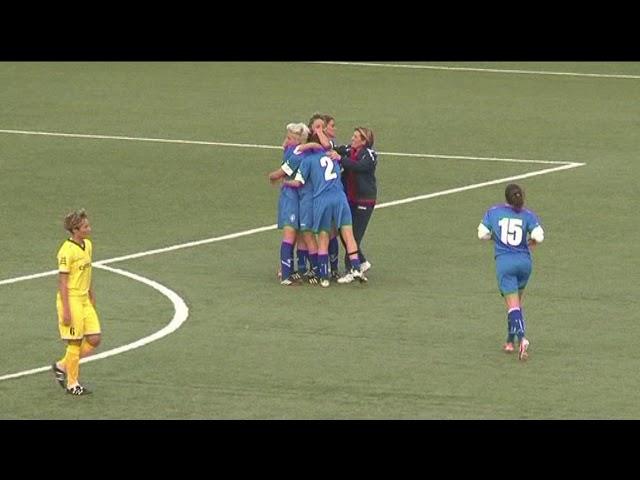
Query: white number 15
x=511 y=231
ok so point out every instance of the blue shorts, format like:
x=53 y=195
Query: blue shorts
x=288 y=209
x=306 y=211
x=331 y=209
x=512 y=272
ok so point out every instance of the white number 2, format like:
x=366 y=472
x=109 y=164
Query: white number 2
x=510 y=231
x=327 y=163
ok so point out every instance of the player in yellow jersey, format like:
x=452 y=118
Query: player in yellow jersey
x=77 y=318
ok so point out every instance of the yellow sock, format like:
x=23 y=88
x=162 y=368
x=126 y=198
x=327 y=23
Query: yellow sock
x=73 y=364
x=85 y=348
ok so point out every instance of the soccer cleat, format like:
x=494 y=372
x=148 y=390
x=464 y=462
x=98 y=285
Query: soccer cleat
x=295 y=276
x=508 y=347
x=524 y=345
x=61 y=376
x=352 y=275
x=359 y=274
x=346 y=278
x=324 y=282
x=311 y=277
x=287 y=282
x=364 y=266
x=78 y=390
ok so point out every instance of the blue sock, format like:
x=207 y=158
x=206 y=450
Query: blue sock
x=355 y=263
x=323 y=264
x=334 y=252
x=511 y=330
x=313 y=257
x=302 y=260
x=286 y=259
x=516 y=322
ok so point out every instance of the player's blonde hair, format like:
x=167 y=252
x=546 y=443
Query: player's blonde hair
x=300 y=130
x=73 y=220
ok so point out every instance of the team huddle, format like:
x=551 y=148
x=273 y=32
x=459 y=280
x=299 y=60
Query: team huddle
x=327 y=191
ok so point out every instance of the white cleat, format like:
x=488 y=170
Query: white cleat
x=359 y=274
x=365 y=266
x=352 y=275
x=324 y=282
x=346 y=278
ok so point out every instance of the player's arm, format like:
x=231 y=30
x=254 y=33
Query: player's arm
x=63 y=287
x=308 y=146
x=92 y=295
x=536 y=236
x=292 y=183
x=297 y=182
x=324 y=140
x=483 y=232
x=364 y=163
x=276 y=175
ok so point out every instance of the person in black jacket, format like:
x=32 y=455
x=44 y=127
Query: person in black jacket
x=359 y=161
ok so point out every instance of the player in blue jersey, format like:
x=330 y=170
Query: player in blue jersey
x=288 y=204
x=323 y=134
x=514 y=230
x=329 y=133
x=330 y=207
x=306 y=245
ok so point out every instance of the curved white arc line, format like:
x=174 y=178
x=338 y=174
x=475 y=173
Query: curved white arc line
x=181 y=313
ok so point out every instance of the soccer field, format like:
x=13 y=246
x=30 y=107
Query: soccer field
x=171 y=160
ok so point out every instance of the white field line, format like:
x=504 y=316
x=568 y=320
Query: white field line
x=478 y=185
x=483 y=70
x=269 y=147
x=138 y=139
x=181 y=312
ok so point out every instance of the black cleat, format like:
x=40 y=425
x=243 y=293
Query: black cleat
x=61 y=376
x=311 y=277
x=78 y=390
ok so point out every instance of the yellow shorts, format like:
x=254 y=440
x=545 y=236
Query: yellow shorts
x=84 y=319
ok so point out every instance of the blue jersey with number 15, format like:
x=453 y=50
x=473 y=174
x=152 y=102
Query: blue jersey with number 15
x=510 y=228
